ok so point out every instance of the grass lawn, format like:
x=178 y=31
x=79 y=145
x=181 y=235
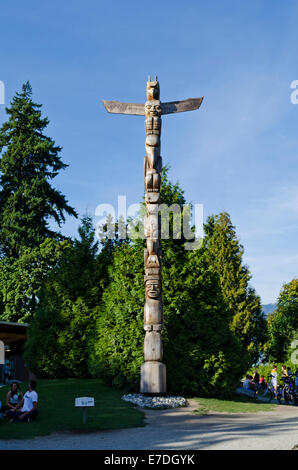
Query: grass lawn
x=238 y=404
x=56 y=399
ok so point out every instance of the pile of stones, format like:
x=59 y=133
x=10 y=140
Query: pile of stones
x=154 y=402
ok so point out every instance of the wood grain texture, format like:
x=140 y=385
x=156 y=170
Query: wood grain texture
x=191 y=104
x=116 y=107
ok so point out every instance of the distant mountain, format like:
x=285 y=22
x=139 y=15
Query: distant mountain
x=268 y=308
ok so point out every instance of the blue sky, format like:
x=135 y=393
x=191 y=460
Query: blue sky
x=238 y=153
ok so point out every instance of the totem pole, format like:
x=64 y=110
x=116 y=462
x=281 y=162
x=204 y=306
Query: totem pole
x=153 y=371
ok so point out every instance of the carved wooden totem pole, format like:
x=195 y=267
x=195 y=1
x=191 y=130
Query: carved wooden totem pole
x=153 y=371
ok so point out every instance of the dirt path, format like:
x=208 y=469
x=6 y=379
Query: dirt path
x=181 y=429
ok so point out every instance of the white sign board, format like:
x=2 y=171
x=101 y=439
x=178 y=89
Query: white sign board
x=2 y=353
x=84 y=401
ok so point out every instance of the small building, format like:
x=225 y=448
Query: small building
x=14 y=336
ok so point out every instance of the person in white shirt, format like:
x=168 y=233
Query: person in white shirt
x=248 y=383
x=274 y=379
x=29 y=405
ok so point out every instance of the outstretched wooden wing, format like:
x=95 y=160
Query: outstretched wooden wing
x=138 y=109
x=190 y=104
x=117 y=107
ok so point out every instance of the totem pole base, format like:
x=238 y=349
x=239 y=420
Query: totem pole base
x=153 y=378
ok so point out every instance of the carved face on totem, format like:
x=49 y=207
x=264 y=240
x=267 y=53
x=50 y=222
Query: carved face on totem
x=152 y=108
x=153 y=288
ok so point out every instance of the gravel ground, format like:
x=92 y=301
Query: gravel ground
x=180 y=429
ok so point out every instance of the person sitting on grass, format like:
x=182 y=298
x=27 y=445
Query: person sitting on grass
x=256 y=378
x=262 y=382
x=248 y=384
x=14 y=399
x=29 y=406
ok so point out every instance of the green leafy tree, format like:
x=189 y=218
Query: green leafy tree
x=283 y=324
x=225 y=253
x=29 y=161
x=202 y=354
x=63 y=326
x=118 y=348
x=21 y=279
x=111 y=235
x=118 y=345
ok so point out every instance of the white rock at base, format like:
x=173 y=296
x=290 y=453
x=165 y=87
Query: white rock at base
x=155 y=402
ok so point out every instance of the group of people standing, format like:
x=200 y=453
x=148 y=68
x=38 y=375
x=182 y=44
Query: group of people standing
x=19 y=407
x=285 y=374
x=257 y=383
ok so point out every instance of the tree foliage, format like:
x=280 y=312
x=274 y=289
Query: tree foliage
x=63 y=326
x=29 y=161
x=202 y=353
x=21 y=279
x=118 y=346
x=225 y=255
x=283 y=324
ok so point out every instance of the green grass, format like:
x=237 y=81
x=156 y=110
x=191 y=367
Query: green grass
x=56 y=399
x=234 y=405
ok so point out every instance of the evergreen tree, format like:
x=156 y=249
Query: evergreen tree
x=29 y=161
x=202 y=354
x=118 y=344
x=118 y=347
x=63 y=326
x=111 y=235
x=224 y=253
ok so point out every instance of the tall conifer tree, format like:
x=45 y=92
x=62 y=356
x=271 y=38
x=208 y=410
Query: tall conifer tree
x=225 y=255
x=29 y=161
